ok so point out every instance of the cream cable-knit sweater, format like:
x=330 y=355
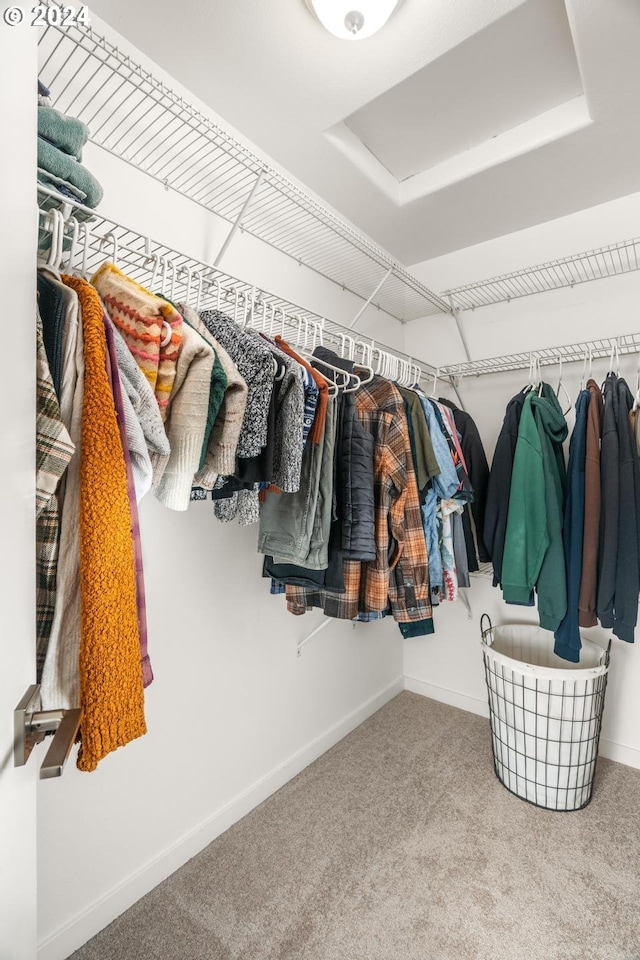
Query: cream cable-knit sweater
x=221 y=452
x=186 y=419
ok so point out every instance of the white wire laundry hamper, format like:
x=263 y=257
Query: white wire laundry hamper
x=545 y=714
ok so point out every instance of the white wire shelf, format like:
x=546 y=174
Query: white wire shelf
x=138 y=118
x=611 y=261
x=570 y=353
x=186 y=279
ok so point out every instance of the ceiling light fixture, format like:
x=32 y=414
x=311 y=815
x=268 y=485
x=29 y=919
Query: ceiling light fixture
x=352 y=19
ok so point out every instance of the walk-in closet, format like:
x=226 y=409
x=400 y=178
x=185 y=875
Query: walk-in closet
x=321 y=480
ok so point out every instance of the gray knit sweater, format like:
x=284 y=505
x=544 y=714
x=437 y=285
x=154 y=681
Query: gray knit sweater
x=253 y=360
x=288 y=446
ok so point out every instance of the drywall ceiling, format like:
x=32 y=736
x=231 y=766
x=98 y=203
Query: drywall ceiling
x=457 y=123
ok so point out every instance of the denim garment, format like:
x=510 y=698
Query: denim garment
x=442 y=487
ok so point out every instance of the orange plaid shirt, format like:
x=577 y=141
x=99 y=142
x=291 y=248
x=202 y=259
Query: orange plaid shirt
x=399 y=574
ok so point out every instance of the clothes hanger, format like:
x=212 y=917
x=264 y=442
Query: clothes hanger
x=435 y=383
x=174 y=274
x=155 y=259
x=75 y=233
x=87 y=233
x=249 y=308
x=588 y=355
x=189 y=272
x=55 y=231
x=615 y=347
x=367 y=352
x=636 y=402
x=346 y=377
x=114 y=240
x=562 y=387
x=168 y=333
x=332 y=386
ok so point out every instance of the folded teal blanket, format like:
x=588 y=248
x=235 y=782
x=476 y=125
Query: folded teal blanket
x=66 y=133
x=61 y=165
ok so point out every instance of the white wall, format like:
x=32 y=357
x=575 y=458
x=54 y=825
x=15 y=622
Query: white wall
x=449 y=667
x=232 y=713
x=17 y=579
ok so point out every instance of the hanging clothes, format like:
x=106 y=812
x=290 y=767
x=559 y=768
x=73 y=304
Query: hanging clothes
x=54 y=450
x=220 y=455
x=592 y=498
x=137 y=456
x=150 y=326
x=314 y=538
x=443 y=486
x=253 y=360
x=425 y=461
x=60 y=683
x=610 y=486
x=533 y=553
x=478 y=471
x=450 y=573
x=619 y=582
x=218 y=383
x=288 y=427
x=399 y=573
x=186 y=419
x=499 y=485
x=111 y=691
x=145 y=407
x=121 y=418
x=567 y=637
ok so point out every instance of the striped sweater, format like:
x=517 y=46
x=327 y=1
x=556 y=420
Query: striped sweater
x=144 y=321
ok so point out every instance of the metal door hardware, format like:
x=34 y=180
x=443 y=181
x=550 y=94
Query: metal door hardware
x=30 y=724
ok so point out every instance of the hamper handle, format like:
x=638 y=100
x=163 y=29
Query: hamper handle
x=485 y=616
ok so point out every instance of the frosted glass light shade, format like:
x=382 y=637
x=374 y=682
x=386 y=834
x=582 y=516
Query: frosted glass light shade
x=353 y=19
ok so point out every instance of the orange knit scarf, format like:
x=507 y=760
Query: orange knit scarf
x=111 y=691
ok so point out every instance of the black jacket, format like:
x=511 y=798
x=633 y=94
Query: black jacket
x=478 y=471
x=609 y=512
x=620 y=572
x=499 y=485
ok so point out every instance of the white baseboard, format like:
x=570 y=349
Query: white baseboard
x=619 y=752
x=461 y=700
x=76 y=932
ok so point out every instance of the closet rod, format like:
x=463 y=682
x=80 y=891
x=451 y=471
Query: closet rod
x=627 y=343
x=189 y=279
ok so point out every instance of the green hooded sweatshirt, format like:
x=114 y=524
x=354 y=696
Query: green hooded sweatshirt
x=533 y=553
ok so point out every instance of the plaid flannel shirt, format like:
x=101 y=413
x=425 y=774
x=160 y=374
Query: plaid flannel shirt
x=54 y=449
x=399 y=574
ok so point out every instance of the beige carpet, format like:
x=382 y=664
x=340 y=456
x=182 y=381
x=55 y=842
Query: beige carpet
x=400 y=844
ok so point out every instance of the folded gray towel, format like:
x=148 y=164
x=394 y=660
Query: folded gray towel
x=66 y=133
x=62 y=165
